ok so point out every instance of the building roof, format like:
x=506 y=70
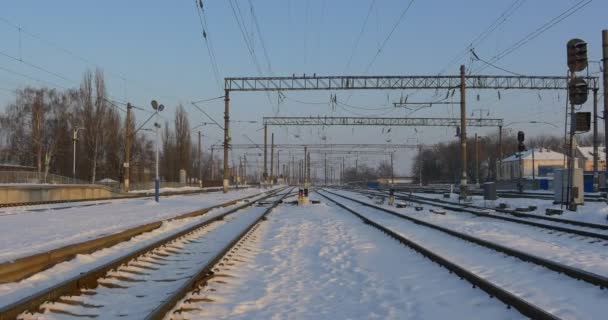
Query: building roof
x=587 y=152
x=539 y=154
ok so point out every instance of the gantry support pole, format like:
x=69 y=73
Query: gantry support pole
x=605 y=84
x=596 y=177
x=265 y=173
x=463 y=134
x=226 y=138
x=272 y=159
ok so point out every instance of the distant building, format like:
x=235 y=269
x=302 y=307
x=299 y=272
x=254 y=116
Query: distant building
x=539 y=162
x=584 y=158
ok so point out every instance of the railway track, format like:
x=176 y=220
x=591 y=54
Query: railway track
x=505 y=194
x=20 y=268
x=147 y=283
x=585 y=229
x=500 y=271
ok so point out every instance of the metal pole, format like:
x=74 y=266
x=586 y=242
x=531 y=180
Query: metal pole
x=200 y=161
x=156 y=179
x=226 y=137
x=463 y=134
x=265 y=174
x=272 y=158
x=326 y=169
x=128 y=140
x=498 y=172
x=596 y=177
x=605 y=76
x=420 y=162
x=392 y=171
x=212 y=166
x=74 y=158
x=476 y=159
x=533 y=167
x=305 y=165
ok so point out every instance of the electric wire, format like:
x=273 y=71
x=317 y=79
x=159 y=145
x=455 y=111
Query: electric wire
x=397 y=23
x=358 y=39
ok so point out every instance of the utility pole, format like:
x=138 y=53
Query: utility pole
x=265 y=173
x=305 y=165
x=463 y=134
x=605 y=76
x=75 y=139
x=326 y=169
x=498 y=173
x=342 y=170
x=596 y=177
x=212 y=166
x=420 y=164
x=476 y=159
x=128 y=141
x=245 y=167
x=272 y=159
x=392 y=171
x=226 y=137
x=308 y=167
x=200 y=161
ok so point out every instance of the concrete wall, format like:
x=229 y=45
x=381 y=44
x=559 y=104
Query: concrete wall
x=36 y=193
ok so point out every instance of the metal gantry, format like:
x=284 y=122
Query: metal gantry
x=398 y=82
x=387 y=122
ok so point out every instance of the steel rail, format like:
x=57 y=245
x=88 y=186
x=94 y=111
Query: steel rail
x=527 y=215
x=202 y=276
x=468 y=209
x=576 y=273
x=20 y=268
x=524 y=307
x=89 y=279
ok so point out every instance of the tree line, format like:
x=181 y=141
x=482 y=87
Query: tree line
x=441 y=163
x=37 y=128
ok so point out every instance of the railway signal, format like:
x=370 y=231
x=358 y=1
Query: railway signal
x=577 y=55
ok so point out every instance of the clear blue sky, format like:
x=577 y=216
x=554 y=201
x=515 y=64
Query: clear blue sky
x=157 y=46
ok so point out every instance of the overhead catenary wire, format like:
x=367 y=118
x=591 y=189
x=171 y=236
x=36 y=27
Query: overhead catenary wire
x=358 y=39
x=203 y=22
x=538 y=31
x=390 y=34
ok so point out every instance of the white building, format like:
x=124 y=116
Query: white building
x=541 y=160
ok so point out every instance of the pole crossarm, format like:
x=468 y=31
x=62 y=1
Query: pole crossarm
x=398 y=82
x=386 y=122
x=367 y=146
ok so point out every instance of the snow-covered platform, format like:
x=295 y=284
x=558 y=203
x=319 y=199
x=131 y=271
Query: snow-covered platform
x=34 y=229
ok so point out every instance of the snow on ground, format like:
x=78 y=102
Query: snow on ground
x=185 y=188
x=13 y=291
x=556 y=293
x=573 y=251
x=24 y=232
x=320 y=262
x=593 y=212
x=150 y=290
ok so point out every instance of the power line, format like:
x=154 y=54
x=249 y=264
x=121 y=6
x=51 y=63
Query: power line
x=257 y=26
x=206 y=114
x=538 y=31
x=31 y=78
x=52 y=44
x=389 y=35
x=482 y=36
x=210 y=51
x=356 y=45
x=36 y=66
